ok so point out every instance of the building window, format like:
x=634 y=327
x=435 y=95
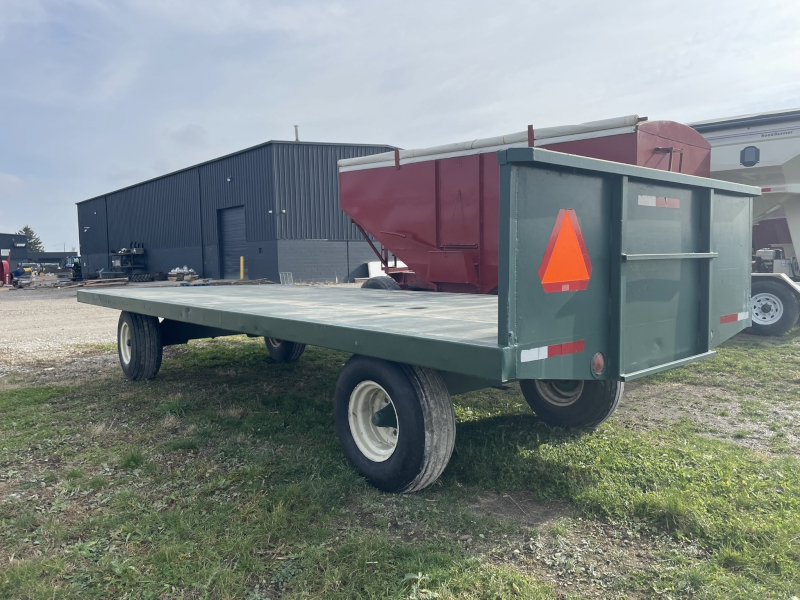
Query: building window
x=750 y=156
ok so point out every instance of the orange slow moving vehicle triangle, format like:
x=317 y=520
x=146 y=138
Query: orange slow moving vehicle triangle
x=566 y=266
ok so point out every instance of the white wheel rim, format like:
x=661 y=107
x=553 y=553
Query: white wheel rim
x=125 y=343
x=274 y=343
x=766 y=309
x=376 y=443
x=560 y=395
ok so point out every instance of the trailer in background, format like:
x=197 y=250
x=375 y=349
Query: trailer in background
x=606 y=273
x=764 y=150
x=5 y=266
x=437 y=209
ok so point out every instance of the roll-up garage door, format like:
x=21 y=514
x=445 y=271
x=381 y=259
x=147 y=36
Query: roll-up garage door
x=232 y=241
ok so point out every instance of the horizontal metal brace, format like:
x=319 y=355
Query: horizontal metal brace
x=677 y=256
x=667 y=366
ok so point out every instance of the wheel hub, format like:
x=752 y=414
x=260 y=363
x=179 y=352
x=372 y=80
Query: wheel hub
x=373 y=421
x=766 y=309
x=125 y=343
x=561 y=392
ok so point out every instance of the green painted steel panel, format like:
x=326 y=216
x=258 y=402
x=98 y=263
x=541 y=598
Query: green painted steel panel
x=654 y=299
x=544 y=319
x=731 y=239
x=669 y=256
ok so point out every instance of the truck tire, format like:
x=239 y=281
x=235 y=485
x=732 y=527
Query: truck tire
x=382 y=282
x=139 y=345
x=411 y=448
x=283 y=351
x=580 y=404
x=773 y=307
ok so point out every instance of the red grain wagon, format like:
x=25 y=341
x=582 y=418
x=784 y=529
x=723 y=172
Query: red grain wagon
x=436 y=209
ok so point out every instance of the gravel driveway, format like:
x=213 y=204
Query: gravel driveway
x=42 y=326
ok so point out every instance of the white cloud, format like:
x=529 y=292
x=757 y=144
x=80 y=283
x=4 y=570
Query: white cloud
x=14 y=13
x=190 y=134
x=231 y=16
x=11 y=187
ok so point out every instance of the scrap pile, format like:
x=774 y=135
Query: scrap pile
x=182 y=274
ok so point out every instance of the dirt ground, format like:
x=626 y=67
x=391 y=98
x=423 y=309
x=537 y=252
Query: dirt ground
x=47 y=325
x=48 y=336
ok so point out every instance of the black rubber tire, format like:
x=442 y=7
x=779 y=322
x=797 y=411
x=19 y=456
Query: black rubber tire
x=145 y=344
x=791 y=309
x=425 y=415
x=382 y=282
x=594 y=404
x=283 y=351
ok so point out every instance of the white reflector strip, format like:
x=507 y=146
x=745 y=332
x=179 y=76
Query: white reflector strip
x=552 y=350
x=647 y=200
x=533 y=354
x=659 y=201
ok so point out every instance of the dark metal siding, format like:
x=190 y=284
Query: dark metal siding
x=232 y=240
x=307 y=188
x=160 y=214
x=241 y=180
x=92 y=232
x=7 y=241
x=176 y=216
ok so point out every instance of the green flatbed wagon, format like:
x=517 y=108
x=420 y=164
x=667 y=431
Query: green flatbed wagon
x=608 y=273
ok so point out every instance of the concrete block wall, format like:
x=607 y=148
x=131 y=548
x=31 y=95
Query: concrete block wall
x=319 y=261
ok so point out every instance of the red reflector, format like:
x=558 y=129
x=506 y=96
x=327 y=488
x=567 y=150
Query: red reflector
x=732 y=318
x=663 y=202
x=598 y=363
x=566 y=348
x=572 y=347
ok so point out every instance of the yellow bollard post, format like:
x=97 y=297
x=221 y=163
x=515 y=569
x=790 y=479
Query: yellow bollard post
x=241 y=268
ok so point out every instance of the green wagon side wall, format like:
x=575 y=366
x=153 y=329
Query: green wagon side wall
x=658 y=287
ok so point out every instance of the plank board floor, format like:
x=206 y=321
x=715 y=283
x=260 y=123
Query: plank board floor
x=463 y=318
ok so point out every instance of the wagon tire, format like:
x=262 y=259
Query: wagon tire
x=381 y=282
x=283 y=351
x=578 y=404
x=782 y=304
x=139 y=345
x=411 y=454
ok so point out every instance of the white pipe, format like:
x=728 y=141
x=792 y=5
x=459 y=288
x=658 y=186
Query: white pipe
x=502 y=140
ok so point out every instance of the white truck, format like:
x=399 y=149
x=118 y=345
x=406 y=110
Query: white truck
x=764 y=150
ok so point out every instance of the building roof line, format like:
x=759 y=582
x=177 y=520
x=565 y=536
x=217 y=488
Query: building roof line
x=775 y=116
x=219 y=158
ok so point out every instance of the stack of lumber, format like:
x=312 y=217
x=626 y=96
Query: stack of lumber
x=242 y=282
x=93 y=283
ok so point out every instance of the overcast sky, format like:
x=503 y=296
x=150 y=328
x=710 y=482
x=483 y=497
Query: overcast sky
x=98 y=95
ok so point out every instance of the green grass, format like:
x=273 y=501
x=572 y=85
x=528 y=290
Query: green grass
x=766 y=369
x=132 y=459
x=223 y=478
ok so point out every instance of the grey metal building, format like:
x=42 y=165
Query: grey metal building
x=16 y=244
x=276 y=204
